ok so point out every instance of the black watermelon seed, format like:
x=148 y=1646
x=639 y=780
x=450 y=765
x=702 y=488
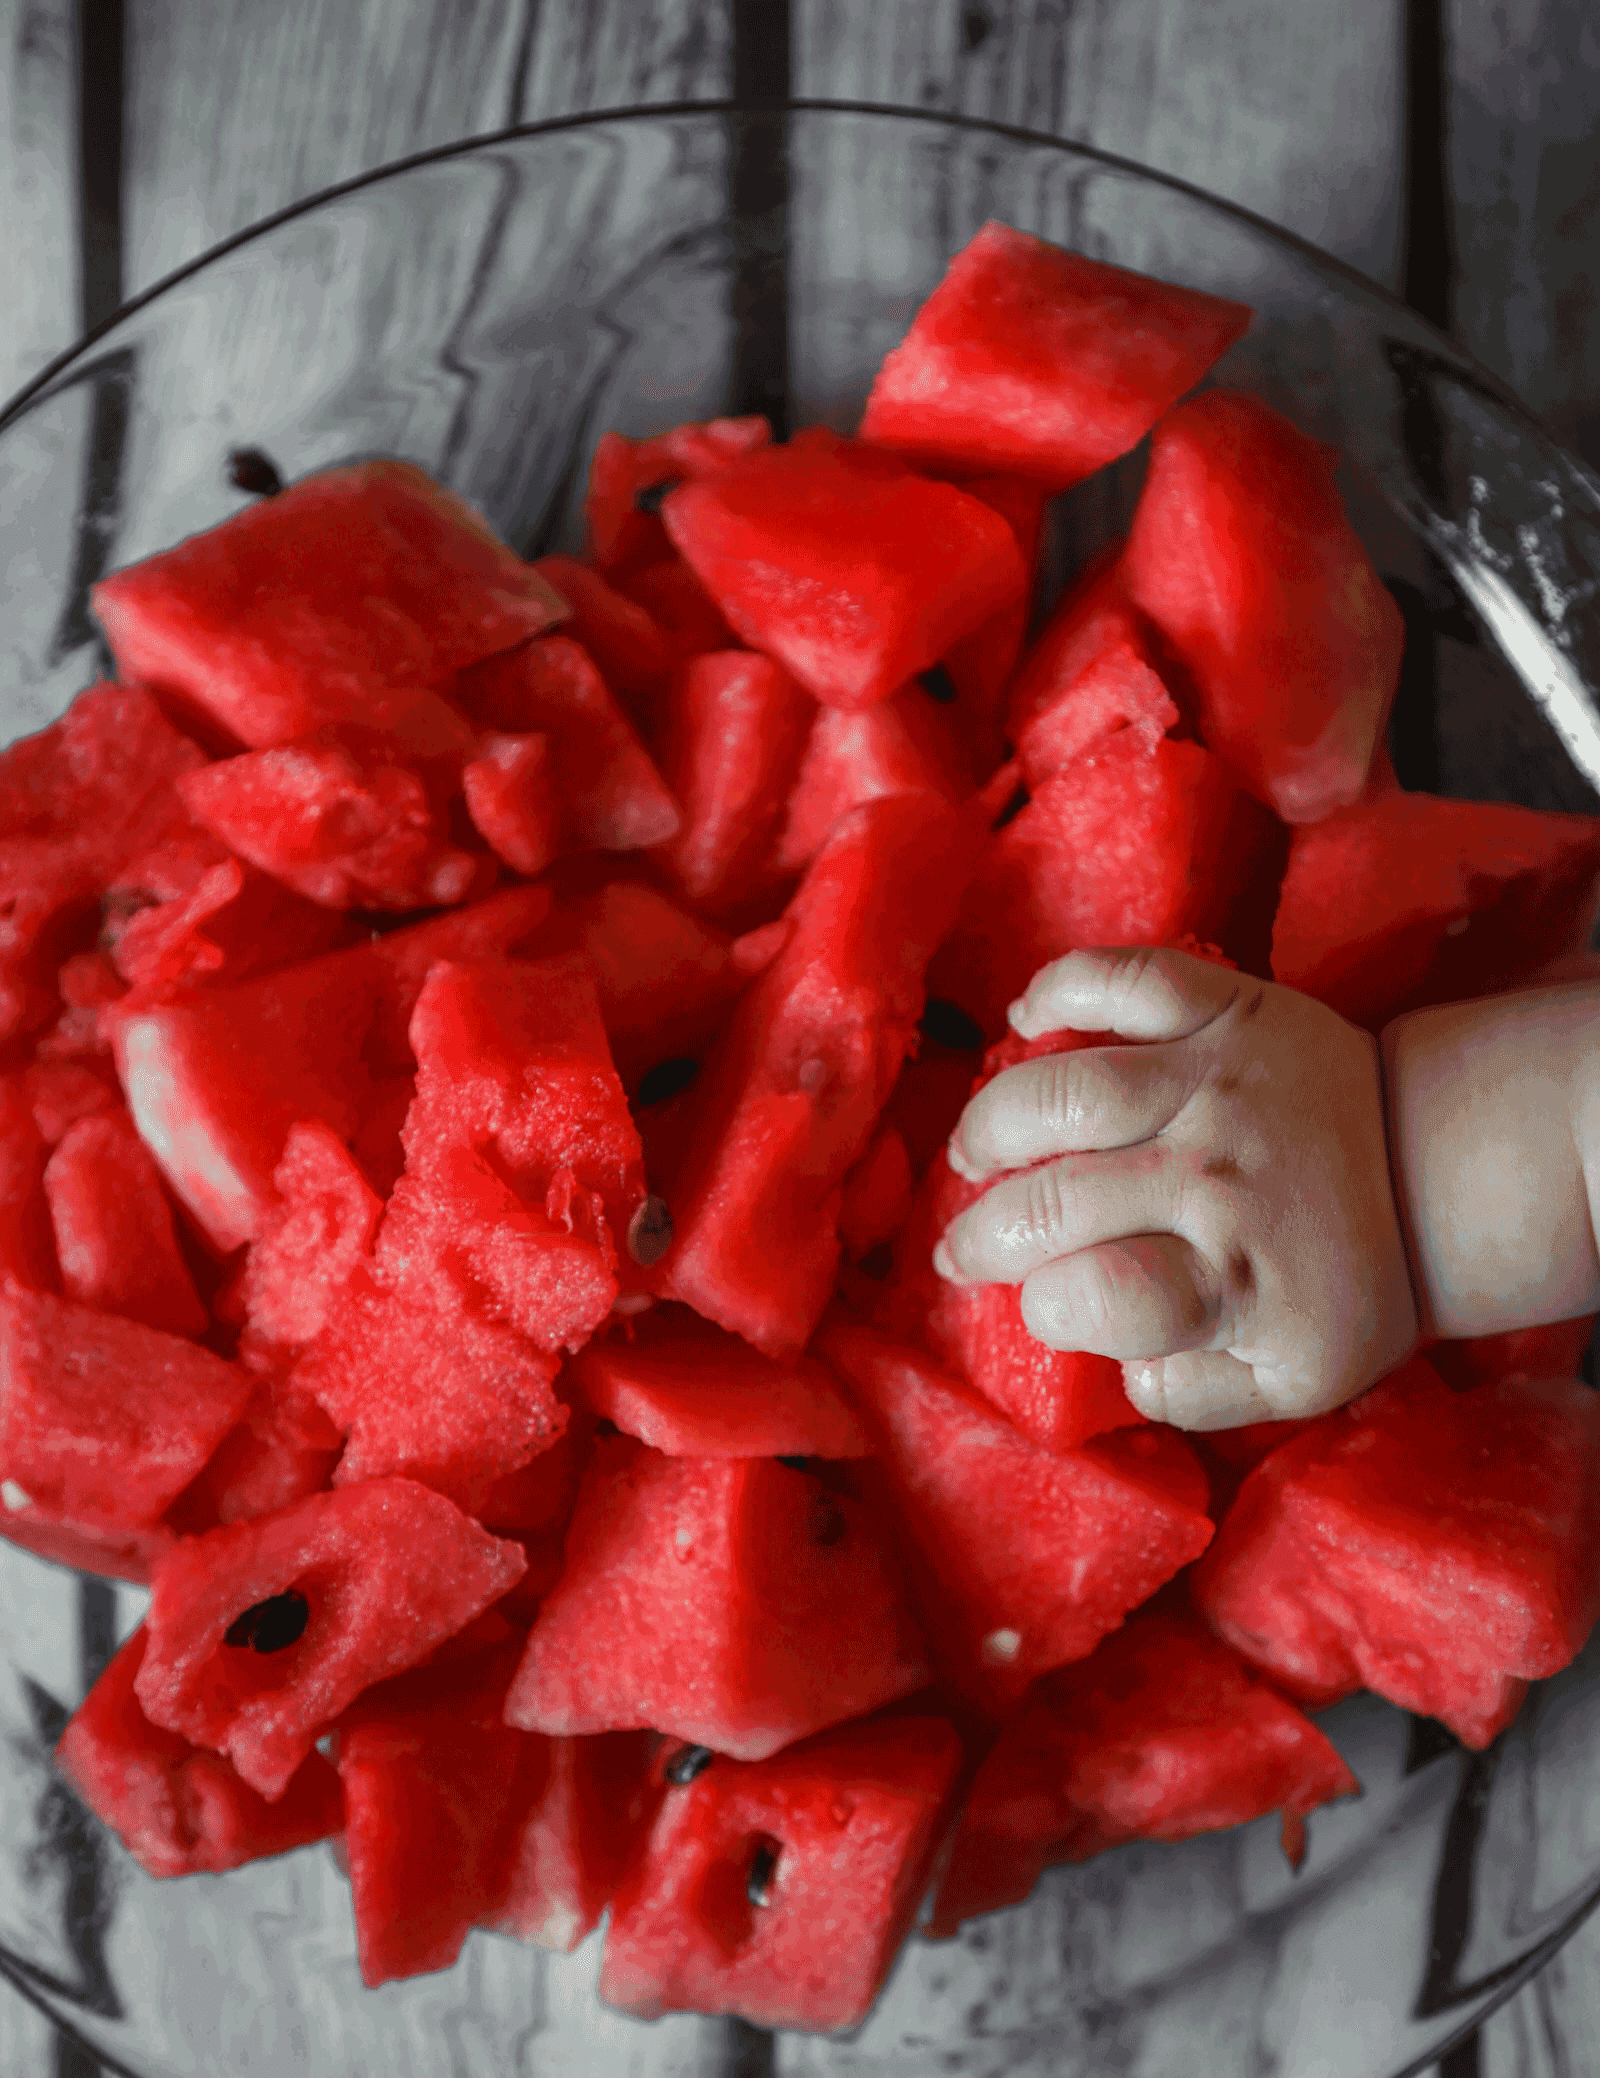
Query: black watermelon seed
x=1012 y=809
x=796 y=1464
x=937 y=683
x=763 y=1867
x=949 y=1025
x=647 y=498
x=272 y=1625
x=650 y=1232
x=250 y=470
x=686 y=1764
x=665 y=1080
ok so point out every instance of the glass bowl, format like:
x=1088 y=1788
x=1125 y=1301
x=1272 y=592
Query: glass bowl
x=487 y=312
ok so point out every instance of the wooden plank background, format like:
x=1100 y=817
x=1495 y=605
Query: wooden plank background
x=235 y=108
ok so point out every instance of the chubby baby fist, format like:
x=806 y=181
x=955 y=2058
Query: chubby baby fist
x=1211 y=1204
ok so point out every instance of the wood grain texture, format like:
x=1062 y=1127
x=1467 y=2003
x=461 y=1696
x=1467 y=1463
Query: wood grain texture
x=38 y=214
x=1292 y=112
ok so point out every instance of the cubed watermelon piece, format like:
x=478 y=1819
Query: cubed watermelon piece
x=682 y=608
x=790 y=1101
x=1132 y=844
x=114 y=1233
x=177 y=1808
x=689 y=1390
x=876 y=1200
x=743 y=1606
x=310 y=1242
x=324 y=1600
x=536 y=1501
x=1408 y=900
x=501 y=926
x=1162 y=1733
x=733 y=734
x=188 y=911
x=345 y=828
x=103 y=1420
x=626 y=480
x=1440 y=1548
x=1043 y=362
x=1093 y=614
x=353 y=597
x=1554 y=1351
x=1242 y=554
x=906 y=744
x=86 y=1546
x=77 y=799
x=781 y=1890
x=595 y=1800
x=611 y=795
x=1029 y=1556
x=513 y=795
x=837 y=560
x=283 y=1449
x=27 y=1245
x=628 y=644
x=980 y=665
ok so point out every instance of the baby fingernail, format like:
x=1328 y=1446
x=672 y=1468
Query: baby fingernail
x=945 y=1263
x=958 y=1161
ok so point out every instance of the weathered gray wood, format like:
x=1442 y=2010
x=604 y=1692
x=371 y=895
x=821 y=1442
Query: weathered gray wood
x=38 y=213
x=1293 y=112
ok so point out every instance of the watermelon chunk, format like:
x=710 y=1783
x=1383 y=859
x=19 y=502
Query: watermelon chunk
x=1407 y=900
x=346 y=829
x=1162 y=1733
x=903 y=745
x=353 y=597
x=284 y=1449
x=1132 y=844
x=626 y=476
x=682 y=608
x=501 y=926
x=1440 y=1548
x=188 y=911
x=835 y=559
x=595 y=1800
x=114 y=1234
x=368 y=1580
x=628 y=644
x=103 y=1420
x=611 y=796
x=781 y=1891
x=733 y=733
x=176 y=1808
x=980 y=665
x=27 y=1247
x=789 y=1103
x=513 y=796
x=743 y=1604
x=1242 y=555
x=1029 y=1556
x=689 y=1390
x=876 y=1199
x=1094 y=614
x=311 y=1242
x=1042 y=362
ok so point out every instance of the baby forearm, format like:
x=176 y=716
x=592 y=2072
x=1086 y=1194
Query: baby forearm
x=1494 y=1116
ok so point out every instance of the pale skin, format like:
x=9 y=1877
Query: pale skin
x=1260 y=1209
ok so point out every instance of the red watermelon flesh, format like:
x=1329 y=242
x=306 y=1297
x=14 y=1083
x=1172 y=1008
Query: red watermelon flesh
x=311 y=1241
x=27 y=1246
x=188 y=911
x=344 y=827
x=1242 y=555
x=77 y=800
x=387 y=1571
x=1118 y=690
x=283 y=1449
x=1447 y=1544
x=1030 y=1556
x=689 y=1390
x=353 y=597
x=1554 y=1351
x=906 y=744
x=500 y=926
x=611 y=795
x=1408 y=900
x=981 y=664
x=845 y=566
x=514 y=1063
x=682 y=608
x=732 y=736
x=836 y=1835
x=537 y=1499
x=621 y=531
x=104 y=1421
x=743 y=1606
x=513 y=796
x=1093 y=614
x=177 y=1808
x=1133 y=844
x=1162 y=1733
x=577 y=1838
x=876 y=1199
x=790 y=1101
x=628 y=644
x=62 y=1092
x=1042 y=362
x=114 y=1234
x=87 y=982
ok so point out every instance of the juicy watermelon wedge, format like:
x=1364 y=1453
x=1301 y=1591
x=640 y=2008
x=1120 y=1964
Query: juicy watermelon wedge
x=627 y=643
x=177 y=1808
x=311 y=1242
x=628 y=479
x=904 y=745
x=746 y=1863
x=114 y=1234
x=744 y=1606
x=1039 y=361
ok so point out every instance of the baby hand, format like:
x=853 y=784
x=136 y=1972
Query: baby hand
x=1212 y=1206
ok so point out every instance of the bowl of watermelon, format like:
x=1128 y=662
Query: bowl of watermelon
x=553 y=696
